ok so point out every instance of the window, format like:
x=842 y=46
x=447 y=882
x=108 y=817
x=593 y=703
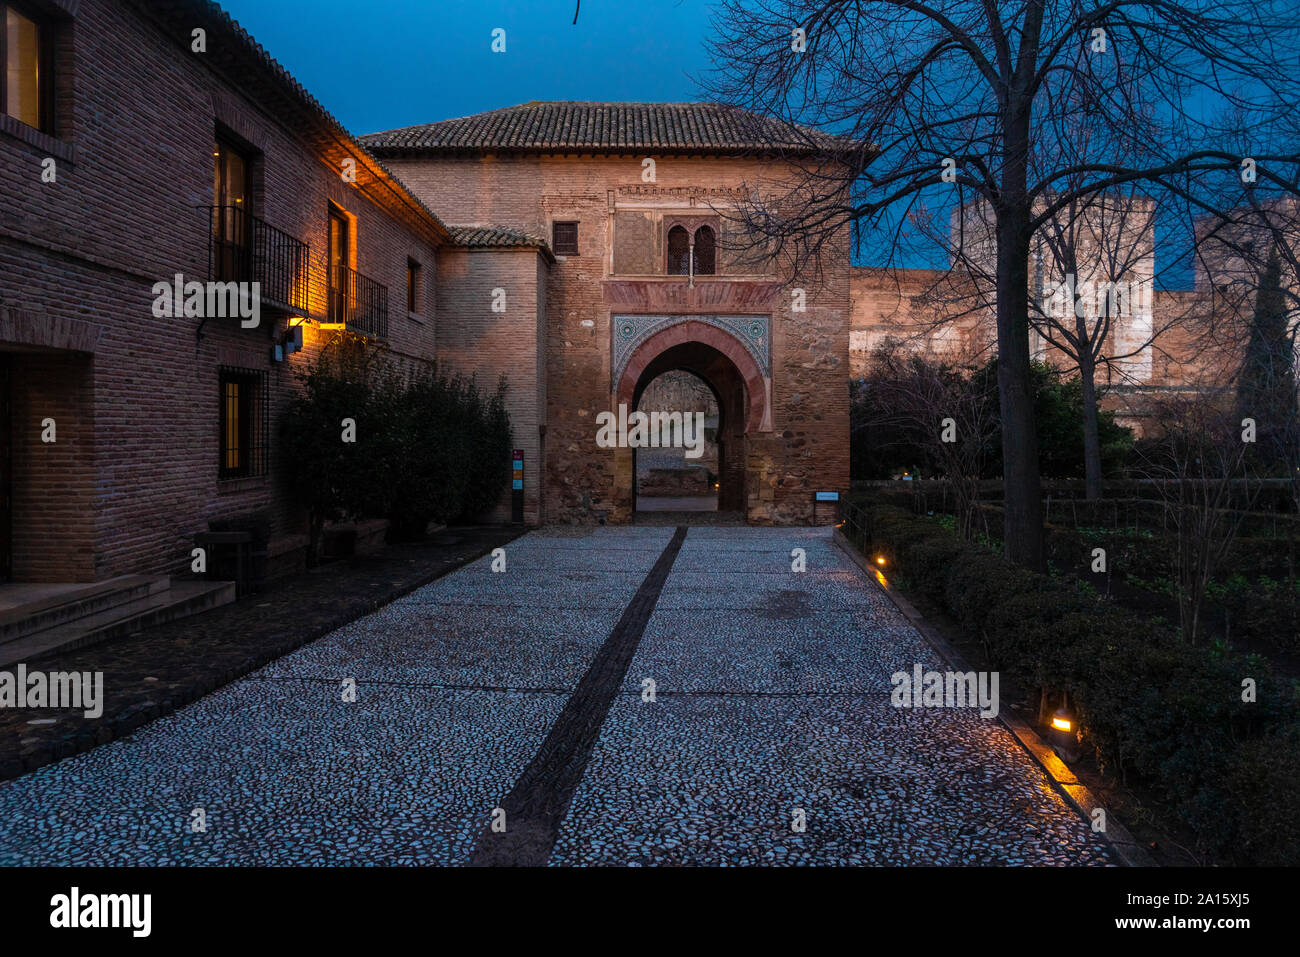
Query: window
x=692 y=249
x=564 y=239
x=679 y=251
x=340 y=278
x=243 y=423
x=705 y=251
x=25 y=77
x=230 y=228
x=230 y=175
x=412 y=286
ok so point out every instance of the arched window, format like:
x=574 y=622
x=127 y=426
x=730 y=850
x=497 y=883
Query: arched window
x=705 y=255
x=679 y=251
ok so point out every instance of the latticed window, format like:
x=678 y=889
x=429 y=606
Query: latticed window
x=705 y=251
x=564 y=239
x=679 y=251
x=243 y=423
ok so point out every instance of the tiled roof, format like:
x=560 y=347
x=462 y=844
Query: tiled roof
x=484 y=237
x=561 y=126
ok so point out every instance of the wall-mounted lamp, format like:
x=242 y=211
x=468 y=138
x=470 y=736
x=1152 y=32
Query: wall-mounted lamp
x=292 y=338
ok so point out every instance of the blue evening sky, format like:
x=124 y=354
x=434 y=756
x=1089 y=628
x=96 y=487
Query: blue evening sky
x=380 y=64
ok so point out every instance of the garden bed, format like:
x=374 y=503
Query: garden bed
x=1155 y=712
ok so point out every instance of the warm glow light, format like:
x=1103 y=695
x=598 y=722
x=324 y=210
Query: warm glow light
x=880 y=559
x=1061 y=723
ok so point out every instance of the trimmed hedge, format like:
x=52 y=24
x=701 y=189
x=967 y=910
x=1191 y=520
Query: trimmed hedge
x=1163 y=712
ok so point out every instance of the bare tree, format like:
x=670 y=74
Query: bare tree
x=938 y=406
x=947 y=103
x=1201 y=471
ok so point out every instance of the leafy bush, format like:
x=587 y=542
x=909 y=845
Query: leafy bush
x=430 y=448
x=1150 y=705
x=886 y=442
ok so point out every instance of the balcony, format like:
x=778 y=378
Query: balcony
x=358 y=303
x=245 y=248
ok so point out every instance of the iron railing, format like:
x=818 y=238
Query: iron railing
x=358 y=302
x=245 y=248
x=856 y=525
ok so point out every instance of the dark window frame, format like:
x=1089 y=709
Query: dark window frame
x=566 y=248
x=45 y=28
x=232 y=228
x=414 y=279
x=699 y=265
x=682 y=254
x=252 y=399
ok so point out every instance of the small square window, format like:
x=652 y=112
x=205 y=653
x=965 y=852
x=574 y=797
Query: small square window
x=413 y=273
x=564 y=239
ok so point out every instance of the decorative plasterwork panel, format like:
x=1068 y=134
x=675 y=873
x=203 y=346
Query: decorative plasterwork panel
x=753 y=332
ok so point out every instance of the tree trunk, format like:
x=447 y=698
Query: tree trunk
x=1023 y=506
x=1091 y=435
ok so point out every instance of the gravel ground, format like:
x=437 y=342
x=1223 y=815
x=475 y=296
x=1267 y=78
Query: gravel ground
x=772 y=696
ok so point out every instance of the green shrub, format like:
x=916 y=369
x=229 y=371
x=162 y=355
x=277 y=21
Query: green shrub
x=429 y=448
x=1150 y=705
x=1262 y=791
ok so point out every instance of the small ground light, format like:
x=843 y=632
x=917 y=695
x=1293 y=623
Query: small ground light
x=880 y=559
x=1064 y=740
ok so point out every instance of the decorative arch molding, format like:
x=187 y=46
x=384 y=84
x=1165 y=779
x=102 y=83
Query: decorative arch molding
x=678 y=331
x=753 y=333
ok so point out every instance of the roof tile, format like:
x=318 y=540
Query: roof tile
x=561 y=126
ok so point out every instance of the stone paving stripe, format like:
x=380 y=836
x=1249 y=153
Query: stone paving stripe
x=536 y=805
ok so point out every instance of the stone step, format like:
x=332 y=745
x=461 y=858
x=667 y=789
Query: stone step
x=77 y=603
x=183 y=598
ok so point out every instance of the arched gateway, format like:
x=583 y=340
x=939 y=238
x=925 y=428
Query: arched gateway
x=613 y=239
x=730 y=354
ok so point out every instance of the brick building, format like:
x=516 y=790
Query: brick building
x=639 y=202
x=147 y=145
x=142 y=141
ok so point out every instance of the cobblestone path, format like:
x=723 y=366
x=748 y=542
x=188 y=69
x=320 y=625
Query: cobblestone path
x=526 y=691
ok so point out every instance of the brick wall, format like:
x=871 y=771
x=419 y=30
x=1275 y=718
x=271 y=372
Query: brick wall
x=805 y=447
x=133 y=149
x=474 y=340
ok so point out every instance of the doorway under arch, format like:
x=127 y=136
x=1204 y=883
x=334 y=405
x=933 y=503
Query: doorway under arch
x=733 y=377
x=679 y=476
